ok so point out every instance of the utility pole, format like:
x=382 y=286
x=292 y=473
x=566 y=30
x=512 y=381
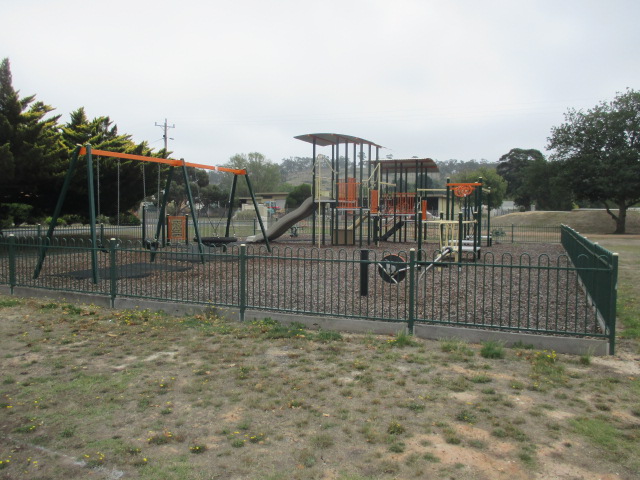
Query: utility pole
x=166 y=139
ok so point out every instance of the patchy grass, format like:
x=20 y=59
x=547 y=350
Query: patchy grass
x=584 y=221
x=628 y=306
x=91 y=392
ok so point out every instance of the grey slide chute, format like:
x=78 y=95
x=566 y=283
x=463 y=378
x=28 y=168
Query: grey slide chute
x=285 y=223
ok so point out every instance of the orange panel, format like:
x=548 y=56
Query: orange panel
x=177 y=228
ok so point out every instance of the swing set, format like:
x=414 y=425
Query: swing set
x=153 y=246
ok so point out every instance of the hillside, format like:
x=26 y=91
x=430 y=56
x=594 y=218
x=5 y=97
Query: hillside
x=584 y=221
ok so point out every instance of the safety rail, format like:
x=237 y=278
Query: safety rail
x=567 y=294
x=598 y=271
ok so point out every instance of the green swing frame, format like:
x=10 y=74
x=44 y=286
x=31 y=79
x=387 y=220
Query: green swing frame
x=88 y=153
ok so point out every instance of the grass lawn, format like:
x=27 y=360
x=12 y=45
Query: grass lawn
x=92 y=393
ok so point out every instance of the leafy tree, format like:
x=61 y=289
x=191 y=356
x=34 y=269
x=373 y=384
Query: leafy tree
x=298 y=195
x=295 y=165
x=532 y=180
x=264 y=174
x=212 y=195
x=30 y=149
x=512 y=167
x=546 y=185
x=600 y=153
x=198 y=181
x=120 y=182
x=452 y=167
x=490 y=179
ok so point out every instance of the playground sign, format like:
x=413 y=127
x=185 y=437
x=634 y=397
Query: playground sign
x=177 y=228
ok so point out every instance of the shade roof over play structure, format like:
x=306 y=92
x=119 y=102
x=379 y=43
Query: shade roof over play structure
x=326 y=139
x=407 y=164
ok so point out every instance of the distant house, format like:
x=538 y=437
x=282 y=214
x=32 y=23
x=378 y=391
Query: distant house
x=275 y=201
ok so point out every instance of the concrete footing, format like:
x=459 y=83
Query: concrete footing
x=570 y=345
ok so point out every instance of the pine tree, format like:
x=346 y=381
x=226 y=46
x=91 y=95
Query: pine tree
x=120 y=182
x=31 y=152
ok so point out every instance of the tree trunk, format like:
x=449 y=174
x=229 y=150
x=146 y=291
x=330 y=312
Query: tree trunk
x=620 y=219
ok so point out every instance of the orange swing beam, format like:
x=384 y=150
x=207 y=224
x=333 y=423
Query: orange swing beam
x=166 y=161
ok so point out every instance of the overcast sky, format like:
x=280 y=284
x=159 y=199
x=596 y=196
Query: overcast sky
x=464 y=79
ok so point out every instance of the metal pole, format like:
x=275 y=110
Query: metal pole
x=255 y=205
x=314 y=192
x=113 y=278
x=12 y=262
x=92 y=217
x=144 y=223
x=364 y=273
x=192 y=207
x=243 y=280
x=232 y=195
x=163 y=206
x=57 y=210
x=412 y=275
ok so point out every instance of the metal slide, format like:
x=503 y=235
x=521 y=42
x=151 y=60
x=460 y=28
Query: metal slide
x=285 y=223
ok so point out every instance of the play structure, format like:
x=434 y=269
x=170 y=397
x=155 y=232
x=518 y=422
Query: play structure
x=287 y=222
x=358 y=199
x=177 y=228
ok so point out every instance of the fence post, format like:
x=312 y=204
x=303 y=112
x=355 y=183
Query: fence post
x=113 y=278
x=612 y=306
x=144 y=223
x=512 y=227
x=186 y=229
x=412 y=296
x=243 y=280
x=12 y=261
x=364 y=272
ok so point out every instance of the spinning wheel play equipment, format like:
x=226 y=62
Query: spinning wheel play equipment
x=88 y=154
x=393 y=268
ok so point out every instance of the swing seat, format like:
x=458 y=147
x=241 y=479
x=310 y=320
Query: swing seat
x=216 y=241
x=151 y=245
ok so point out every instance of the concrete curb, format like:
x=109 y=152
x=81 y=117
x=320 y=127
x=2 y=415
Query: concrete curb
x=570 y=345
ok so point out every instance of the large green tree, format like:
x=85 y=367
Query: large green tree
x=513 y=168
x=544 y=182
x=119 y=184
x=30 y=148
x=264 y=174
x=532 y=180
x=600 y=152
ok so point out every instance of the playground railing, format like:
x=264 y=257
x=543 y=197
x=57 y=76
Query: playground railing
x=572 y=294
x=598 y=271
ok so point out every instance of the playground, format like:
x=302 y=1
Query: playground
x=189 y=396
x=378 y=243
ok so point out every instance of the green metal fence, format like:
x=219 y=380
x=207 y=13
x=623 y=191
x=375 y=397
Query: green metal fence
x=597 y=268
x=572 y=294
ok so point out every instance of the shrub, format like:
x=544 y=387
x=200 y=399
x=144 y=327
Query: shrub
x=492 y=349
